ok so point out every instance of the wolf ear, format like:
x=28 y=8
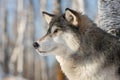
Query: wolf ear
x=48 y=17
x=70 y=16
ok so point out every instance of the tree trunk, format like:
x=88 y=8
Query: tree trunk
x=5 y=49
x=17 y=54
x=78 y=5
x=28 y=40
x=37 y=68
x=57 y=8
x=109 y=15
x=4 y=36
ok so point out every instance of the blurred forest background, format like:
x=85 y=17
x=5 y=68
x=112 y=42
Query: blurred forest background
x=21 y=23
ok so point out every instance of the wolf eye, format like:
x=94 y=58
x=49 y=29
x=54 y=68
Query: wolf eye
x=56 y=30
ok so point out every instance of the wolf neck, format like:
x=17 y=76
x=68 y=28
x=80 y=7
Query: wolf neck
x=86 y=68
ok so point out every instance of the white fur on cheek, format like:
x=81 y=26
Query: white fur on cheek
x=71 y=42
x=59 y=39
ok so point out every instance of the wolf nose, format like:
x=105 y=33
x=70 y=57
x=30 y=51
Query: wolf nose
x=36 y=45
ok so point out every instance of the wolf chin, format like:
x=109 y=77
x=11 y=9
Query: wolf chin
x=84 y=51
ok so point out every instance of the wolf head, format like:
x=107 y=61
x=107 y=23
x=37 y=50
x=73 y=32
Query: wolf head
x=62 y=37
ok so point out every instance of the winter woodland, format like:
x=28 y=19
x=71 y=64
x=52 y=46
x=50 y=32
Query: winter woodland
x=21 y=23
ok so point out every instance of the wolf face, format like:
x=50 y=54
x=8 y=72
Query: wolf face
x=61 y=37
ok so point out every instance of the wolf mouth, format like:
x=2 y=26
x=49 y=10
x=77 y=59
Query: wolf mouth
x=47 y=50
x=43 y=51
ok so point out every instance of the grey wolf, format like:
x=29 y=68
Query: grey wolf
x=84 y=51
